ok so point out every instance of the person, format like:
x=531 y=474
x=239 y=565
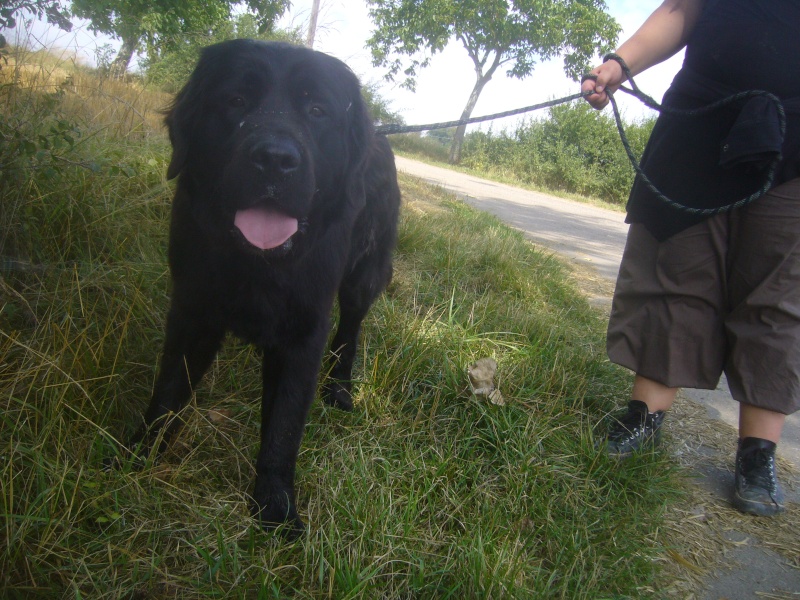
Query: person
x=707 y=289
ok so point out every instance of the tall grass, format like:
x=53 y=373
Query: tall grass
x=424 y=491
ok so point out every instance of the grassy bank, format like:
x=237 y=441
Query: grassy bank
x=424 y=491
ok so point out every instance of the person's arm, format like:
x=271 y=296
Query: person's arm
x=663 y=34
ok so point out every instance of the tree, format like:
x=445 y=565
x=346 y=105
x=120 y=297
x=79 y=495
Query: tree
x=53 y=10
x=161 y=22
x=513 y=34
x=169 y=67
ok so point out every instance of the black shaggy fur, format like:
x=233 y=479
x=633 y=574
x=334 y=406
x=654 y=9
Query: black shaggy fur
x=283 y=128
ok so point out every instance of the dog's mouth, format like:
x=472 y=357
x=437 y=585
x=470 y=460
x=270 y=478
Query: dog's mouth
x=265 y=228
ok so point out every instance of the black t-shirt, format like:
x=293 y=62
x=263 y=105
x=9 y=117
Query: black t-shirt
x=748 y=44
x=714 y=160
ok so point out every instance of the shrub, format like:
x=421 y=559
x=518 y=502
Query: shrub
x=575 y=149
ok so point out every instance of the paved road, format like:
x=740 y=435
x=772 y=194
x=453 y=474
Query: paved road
x=585 y=234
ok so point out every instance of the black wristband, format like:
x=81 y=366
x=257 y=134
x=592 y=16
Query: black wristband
x=617 y=58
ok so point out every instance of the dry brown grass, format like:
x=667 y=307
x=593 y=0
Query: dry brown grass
x=123 y=107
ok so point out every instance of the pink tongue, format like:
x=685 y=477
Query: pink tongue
x=265 y=228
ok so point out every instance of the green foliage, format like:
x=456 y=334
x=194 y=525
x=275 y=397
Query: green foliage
x=54 y=11
x=103 y=57
x=432 y=147
x=170 y=66
x=380 y=108
x=515 y=34
x=37 y=146
x=119 y=18
x=575 y=149
x=168 y=23
x=54 y=144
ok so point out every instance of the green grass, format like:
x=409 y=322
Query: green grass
x=422 y=492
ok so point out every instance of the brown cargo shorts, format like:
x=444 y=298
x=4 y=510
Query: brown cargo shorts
x=721 y=296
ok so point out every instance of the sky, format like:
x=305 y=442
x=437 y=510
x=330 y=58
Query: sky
x=444 y=86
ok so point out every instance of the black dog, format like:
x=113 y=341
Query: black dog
x=285 y=197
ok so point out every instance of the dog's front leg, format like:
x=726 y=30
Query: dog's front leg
x=358 y=290
x=290 y=380
x=190 y=345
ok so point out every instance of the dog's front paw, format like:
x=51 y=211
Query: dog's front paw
x=338 y=395
x=277 y=512
x=132 y=456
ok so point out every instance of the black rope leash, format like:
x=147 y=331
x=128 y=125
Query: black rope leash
x=392 y=128
x=396 y=128
x=732 y=99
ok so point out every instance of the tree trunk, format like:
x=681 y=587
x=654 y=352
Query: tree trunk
x=312 y=24
x=120 y=64
x=481 y=79
x=458 y=138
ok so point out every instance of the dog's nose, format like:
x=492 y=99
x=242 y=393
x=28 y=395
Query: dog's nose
x=276 y=156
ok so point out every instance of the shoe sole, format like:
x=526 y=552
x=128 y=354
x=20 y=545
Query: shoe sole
x=759 y=509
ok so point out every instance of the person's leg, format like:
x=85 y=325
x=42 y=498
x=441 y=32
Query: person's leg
x=667 y=316
x=666 y=325
x=763 y=327
x=756 y=489
x=656 y=395
x=755 y=422
x=639 y=427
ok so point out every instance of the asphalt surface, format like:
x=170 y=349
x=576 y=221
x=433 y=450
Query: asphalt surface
x=595 y=237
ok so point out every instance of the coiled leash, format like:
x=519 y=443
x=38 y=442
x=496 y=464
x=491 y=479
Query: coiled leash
x=697 y=112
x=394 y=128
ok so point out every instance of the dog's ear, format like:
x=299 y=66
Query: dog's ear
x=361 y=135
x=183 y=114
x=178 y=134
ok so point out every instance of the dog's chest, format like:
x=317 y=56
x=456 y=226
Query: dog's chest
x=269 y=313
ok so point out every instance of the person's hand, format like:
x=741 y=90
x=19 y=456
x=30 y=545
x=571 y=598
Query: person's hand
x=609 y=77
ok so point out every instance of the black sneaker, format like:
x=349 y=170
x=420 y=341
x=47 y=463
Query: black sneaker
x=636 y=429
x=756 y=487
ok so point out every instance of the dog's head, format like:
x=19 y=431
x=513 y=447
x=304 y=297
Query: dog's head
x=270 y=139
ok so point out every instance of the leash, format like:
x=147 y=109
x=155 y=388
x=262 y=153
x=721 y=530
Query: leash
x=392 y=128
x=648 y=101
x=396 y=128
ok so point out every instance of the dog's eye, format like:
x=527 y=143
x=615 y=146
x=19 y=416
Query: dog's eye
x=316 y=111
x=236 y=102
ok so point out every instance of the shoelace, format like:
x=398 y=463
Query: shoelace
x=629 y=426
x=758 y=469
